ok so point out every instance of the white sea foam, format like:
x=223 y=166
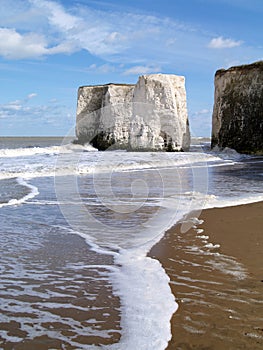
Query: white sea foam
x=79 y=160
x=218 y=202
x=25 y=152
x=147 y=301
x=52 y=150
x=203 y=237
x=33 y=193
x=130 y=161
x=199 y=231
x=212 y=246
x=228 y=153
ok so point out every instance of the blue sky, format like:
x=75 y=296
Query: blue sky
x=50 y=48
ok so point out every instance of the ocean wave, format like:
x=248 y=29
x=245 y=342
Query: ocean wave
x=228 y=153
x=130 y=161
x=52 y=150
x=79 y=160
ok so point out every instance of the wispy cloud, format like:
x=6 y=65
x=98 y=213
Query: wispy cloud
x=221 y=43
x=137 y=70
x=103 y=68
x=201 y=112
x=14 y=45
x=113 y=36
x=88 y=29
x=200 y=122
x=23 y=113
x=139 y=41
x=56 y=14
x=32 y=95
x=13 y=107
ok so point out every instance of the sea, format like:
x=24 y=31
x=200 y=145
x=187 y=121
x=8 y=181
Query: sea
x=76 y=227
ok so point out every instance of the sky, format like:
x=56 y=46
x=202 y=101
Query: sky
x=50 y=48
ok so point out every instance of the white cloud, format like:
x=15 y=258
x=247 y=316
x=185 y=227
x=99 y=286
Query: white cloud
x=114 y=37
x=14 y=45
x=221 y=43
x=122 y=37
x=25 y=115
x=13 y=107
x=16 y=107
x=201 y=112
x=104 y=68
x=200 y=122
x=137 y=70
x=91 y=31
x=170 y=42
x=56 y=14
x=32 y=95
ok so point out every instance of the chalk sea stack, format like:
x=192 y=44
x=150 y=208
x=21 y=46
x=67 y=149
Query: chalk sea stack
x=150 y=115
x=238 y=109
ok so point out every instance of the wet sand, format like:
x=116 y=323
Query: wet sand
x=217 y=281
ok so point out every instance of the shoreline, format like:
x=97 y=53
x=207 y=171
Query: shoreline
x=216 y=276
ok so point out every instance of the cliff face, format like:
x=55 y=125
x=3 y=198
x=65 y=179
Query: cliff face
x=238 y=108
x=103 y=114
x=150 y=115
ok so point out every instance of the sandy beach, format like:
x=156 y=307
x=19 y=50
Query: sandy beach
x=216 y=272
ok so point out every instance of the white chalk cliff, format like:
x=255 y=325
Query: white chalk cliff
x=151 y=115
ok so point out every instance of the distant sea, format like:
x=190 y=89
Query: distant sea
x=76 y=226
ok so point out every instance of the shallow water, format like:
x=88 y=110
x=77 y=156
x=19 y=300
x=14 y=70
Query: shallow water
x=57 y=291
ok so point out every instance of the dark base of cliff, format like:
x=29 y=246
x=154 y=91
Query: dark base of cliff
x=255 y=147
x=103 y=142
x=112 y=145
